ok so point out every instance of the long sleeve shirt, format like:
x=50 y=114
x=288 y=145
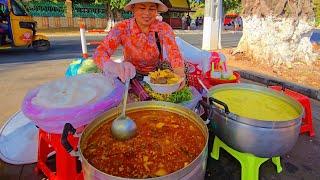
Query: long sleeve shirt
x=140 y=48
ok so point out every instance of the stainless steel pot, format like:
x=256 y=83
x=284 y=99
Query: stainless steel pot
x=261 y=138
x=194 y=171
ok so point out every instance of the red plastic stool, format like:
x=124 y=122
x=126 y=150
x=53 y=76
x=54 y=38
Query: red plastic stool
x=66 y=165
x=305 y=102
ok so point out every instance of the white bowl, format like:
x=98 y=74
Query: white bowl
x=163 y=88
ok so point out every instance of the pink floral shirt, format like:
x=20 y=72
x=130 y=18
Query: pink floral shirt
x=140 y=48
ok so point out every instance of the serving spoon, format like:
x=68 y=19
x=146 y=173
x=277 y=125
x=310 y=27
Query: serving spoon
x=205 y=88
x=207 y=95
x=124 y=127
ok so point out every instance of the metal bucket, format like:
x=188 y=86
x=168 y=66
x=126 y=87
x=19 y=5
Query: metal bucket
x=261 y=138
x=194 y=171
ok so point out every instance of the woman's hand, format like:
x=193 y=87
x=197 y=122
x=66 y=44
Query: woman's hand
x=123 y=70
x=180 y=72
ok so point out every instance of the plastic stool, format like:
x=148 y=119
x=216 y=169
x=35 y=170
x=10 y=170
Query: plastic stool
x=306 y=125
x=66 y=165
x=250 y=164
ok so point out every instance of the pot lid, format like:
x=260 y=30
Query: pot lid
x=19 y=140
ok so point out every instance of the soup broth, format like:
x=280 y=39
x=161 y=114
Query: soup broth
x=165 y=142
x=256 y=105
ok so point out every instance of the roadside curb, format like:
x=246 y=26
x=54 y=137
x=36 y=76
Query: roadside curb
x=263 y=79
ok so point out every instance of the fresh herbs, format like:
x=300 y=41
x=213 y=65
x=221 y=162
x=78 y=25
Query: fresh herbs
x=182 y=95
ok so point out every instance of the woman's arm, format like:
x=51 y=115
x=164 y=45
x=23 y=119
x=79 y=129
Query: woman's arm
x=108 y=46
x=173 y=51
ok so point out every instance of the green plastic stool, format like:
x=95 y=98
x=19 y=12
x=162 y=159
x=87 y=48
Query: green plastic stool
x=250 y=164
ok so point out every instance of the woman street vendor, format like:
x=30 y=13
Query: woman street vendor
x=144 y=39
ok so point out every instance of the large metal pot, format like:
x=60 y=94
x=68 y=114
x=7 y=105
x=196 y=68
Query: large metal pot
x=261 y=138
x=194 y=171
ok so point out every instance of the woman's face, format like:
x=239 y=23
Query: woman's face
x=145 y=13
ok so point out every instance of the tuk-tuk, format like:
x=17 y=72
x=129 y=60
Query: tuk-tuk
x=18 y=29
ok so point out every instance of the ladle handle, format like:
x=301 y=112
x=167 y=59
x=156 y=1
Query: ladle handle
x=125 y=97
x=226 y=108
x=202 y=84
x=205 y=88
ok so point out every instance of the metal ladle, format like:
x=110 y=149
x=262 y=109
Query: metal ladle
x=207 y=95
x=205 y=88
x=123 y=127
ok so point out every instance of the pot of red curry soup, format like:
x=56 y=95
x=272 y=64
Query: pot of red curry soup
x=171 y=143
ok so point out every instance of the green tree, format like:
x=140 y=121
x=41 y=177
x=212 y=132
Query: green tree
x=198 y=7
x=114 y=7
x=115 y=4
x=316 y=5
x=228 y=6
x=232 y=6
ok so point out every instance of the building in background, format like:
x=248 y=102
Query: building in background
x=177 y=9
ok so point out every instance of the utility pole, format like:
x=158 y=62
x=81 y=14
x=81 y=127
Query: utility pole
x=212 y=25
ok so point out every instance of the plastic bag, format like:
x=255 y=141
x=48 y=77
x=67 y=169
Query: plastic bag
x=81 y=66
x=194 y=55
x=315 y=37
x=52 y=120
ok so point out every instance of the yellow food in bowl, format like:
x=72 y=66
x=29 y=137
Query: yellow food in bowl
x=257 y=105
x=163 y=77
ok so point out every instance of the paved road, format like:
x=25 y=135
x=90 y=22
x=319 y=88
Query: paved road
x=69 y=48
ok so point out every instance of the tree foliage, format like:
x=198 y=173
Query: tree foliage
x=198 y=7
x=116 y=4
x=316 y=5
x=112 y=4
x=228 y=6
x=232 y=6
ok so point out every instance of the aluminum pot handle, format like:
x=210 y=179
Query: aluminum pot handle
x=270 y=81
x=226 y=108
x=68 y=128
